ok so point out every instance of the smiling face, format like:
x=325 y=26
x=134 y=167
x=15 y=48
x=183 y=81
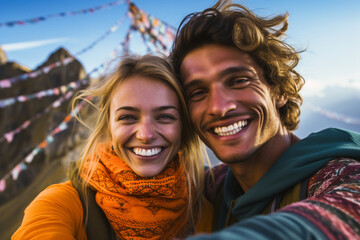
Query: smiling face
x=229 y=101
x=145 y=124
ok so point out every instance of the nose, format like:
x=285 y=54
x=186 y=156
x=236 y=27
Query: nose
x=145 y=131
x=220 y=102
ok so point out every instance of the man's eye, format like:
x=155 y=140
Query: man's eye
x=197 y=95
x=238 y=82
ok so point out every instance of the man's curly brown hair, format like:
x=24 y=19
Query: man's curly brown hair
x=235 y=25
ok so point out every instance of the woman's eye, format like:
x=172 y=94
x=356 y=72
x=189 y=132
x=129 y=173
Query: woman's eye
x=166 y=117
x=127 y=118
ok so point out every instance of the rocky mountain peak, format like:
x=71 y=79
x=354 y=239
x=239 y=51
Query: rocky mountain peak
x=3 y=58
x=56 y=56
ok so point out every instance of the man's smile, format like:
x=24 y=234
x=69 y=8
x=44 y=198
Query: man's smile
x=230 y=129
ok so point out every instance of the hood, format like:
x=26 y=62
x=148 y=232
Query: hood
x=300 y=161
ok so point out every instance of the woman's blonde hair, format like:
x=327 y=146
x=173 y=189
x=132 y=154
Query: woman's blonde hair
x=155 y=67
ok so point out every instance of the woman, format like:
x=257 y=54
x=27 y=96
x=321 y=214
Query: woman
x=135 y=178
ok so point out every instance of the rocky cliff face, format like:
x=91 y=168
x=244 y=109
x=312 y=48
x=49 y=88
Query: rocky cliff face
x=57 y=72
x=3 y=58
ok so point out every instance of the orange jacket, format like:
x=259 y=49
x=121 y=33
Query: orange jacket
x=57 y=213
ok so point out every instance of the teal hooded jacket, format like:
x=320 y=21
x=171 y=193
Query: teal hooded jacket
x=299 y=162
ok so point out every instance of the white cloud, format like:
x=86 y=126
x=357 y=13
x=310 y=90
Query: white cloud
x=317 y=88
x=32 y=44
x=313 y=89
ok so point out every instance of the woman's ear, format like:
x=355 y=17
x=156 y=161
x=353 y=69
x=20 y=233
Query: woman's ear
x=281 y=101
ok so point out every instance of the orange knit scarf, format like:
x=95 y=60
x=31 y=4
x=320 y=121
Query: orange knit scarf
x=141 y=207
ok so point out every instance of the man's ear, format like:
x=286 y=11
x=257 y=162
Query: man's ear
x=281 y=101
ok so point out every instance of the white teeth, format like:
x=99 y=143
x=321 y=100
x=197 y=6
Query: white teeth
x=231 y=129
x=146 y=152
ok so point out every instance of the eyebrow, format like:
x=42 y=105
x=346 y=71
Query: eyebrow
x=225 y=72
x=128 y=109
x=192 y=83
x=237 y=69
x=161 y=108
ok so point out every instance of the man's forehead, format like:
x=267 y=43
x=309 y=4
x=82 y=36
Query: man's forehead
x=216 y=61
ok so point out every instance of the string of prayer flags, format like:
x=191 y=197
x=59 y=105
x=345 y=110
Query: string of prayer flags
x=156 y=30
x=62 y=14
x=50 y=138
x=126 y=43
x=7 y=83
x=44 y=93
x=147 y=40
x=16 y=171
x=21 y=166
x=9 y=136
x=112 y=29
x=2 y=185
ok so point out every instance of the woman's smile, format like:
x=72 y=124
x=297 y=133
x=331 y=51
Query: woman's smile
x=146 y=152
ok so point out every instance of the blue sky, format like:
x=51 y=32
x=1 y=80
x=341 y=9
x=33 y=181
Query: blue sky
x=328 y=29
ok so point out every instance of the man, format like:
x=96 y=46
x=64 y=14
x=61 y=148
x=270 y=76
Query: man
x=243 y=96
